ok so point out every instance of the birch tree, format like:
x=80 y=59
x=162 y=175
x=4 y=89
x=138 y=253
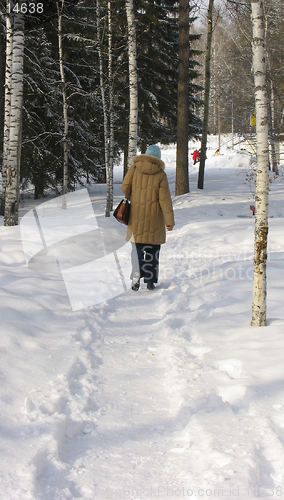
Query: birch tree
x=2 y=83
x=7 y=104
x=182 y=177
x=64 y=100
x=109 y=201
x=262 y=178
x=133 y=82
x=106 y=88
x=13 y=115
x=103 y=96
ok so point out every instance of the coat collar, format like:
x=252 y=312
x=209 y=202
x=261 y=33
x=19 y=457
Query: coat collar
x=148 y=164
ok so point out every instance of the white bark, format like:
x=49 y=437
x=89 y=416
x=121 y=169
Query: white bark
x=7 y=103
x=65 y=105
x=262 y=179
x=104 y=100
x=133 y=82
x=15 y=122
x=109 y=203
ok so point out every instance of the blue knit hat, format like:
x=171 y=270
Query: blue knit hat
x=153 y=151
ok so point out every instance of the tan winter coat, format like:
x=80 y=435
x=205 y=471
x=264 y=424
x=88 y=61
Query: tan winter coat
x=151 y=204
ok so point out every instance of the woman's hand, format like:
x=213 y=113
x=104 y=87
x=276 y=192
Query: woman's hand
x=169 y=228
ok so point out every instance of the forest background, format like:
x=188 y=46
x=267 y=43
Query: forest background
x=85 y=29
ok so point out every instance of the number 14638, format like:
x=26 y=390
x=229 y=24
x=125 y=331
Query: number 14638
x=25 y=8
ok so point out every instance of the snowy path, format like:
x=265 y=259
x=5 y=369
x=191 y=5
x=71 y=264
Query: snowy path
x=135 y=430
x=144 y=417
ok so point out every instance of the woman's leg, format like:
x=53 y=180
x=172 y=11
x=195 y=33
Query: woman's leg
x=137 y=263
x=138 y=258
x=151 y=263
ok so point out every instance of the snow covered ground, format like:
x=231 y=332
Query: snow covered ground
x=163 y=394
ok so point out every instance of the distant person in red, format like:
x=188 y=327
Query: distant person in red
x=195 y=156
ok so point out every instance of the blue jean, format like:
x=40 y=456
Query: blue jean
x=148 y=261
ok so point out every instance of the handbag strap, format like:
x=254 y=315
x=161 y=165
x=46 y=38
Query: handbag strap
x=129 y=185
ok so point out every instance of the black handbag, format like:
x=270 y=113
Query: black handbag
x=122 y=211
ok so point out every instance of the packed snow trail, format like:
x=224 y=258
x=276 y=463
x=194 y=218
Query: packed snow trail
x=143 y=415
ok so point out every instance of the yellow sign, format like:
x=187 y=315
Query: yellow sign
x=252 y=120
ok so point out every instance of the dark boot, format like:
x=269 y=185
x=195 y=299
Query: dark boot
x=150 y=286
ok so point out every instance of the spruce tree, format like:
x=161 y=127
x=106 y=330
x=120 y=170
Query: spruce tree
x=43 y=119
x=157 y=42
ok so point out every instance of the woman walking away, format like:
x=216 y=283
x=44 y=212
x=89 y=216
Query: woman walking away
x=151 y=210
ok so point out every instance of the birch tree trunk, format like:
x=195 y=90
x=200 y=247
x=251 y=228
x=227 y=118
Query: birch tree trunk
x=182 y=177
x=2 y=83
x=13 y=151
x=133 y=82
x=64 y=102
x=262 y=177
x=200 y=183
x=109 y=205
x=7 y=103
x=104 y=100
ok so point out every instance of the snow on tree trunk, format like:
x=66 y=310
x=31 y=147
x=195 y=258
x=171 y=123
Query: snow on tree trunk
x=65 y=105
x=133 y=84
x=182 y=177
x=200 y=183
x=7 y=104
x=15 y=120
x=262 y=178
